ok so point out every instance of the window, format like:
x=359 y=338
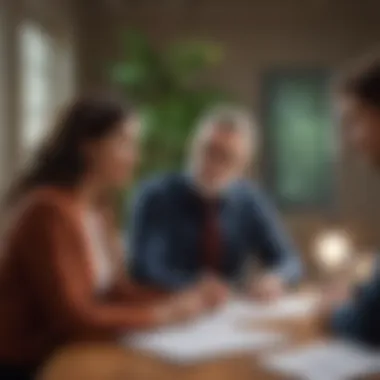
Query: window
x=36 y=56
x=46 y=82
x=300 y=140
x=3 y=106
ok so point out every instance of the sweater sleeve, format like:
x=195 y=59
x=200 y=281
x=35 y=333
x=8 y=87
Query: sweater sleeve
x=53 y=258
x=130 y=291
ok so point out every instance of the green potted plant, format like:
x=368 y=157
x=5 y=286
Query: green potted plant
x=165 y=85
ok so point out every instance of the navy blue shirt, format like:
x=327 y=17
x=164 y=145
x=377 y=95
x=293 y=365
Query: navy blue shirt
x=167 y=227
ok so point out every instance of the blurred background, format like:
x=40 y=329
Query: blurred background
x=177 y=58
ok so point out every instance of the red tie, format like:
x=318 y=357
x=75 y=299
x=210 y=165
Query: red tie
x=211 y=238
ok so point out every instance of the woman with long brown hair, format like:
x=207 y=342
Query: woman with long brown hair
x=61 y=277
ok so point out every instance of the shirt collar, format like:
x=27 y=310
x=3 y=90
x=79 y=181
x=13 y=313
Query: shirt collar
x=190 y=184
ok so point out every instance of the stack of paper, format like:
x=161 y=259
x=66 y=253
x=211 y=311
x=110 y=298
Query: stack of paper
x=333 y=360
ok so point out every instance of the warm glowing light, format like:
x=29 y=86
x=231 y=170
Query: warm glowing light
x=333 y=249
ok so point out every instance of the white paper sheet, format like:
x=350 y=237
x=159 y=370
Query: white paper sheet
x=289 y=307
x=221 y=332
x=334 y=360
x=208 y=338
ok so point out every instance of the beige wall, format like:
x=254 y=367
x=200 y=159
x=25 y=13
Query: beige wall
x=256 y=35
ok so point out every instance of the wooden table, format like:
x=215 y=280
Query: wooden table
x=109 y=362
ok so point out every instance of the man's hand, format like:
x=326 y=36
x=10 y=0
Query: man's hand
x=268 y=287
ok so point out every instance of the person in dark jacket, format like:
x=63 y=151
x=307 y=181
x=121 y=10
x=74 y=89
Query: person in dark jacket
x=355 y=314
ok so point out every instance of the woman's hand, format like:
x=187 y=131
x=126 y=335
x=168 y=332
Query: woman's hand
x=181 y=307
x=208 y=294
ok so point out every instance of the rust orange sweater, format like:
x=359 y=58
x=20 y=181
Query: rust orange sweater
x=47 y=293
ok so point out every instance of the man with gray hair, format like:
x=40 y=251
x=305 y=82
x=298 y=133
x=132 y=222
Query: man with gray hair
x=196 y=229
